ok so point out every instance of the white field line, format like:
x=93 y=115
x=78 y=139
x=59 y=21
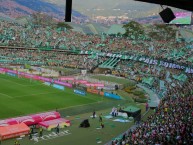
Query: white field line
x=52 y=93
x=12 y=81
x=79 y=105
x=34 y=85
x=21 y=84
x=87 y=97
x=6 y=95
x=35 y=94
x=39 y=93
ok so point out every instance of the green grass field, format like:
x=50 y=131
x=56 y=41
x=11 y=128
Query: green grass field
x=20 y=96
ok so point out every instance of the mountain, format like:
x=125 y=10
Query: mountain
x=18 y=8
x=106 y=8
x=84 y=10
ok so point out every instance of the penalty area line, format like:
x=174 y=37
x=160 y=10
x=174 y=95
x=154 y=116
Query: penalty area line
x=35 y=94
x=12 y=81
x=6 y=95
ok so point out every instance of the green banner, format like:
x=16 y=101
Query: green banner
x=148 y=80
x=144 y=59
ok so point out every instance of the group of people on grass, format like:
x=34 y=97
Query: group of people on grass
x=100 y=118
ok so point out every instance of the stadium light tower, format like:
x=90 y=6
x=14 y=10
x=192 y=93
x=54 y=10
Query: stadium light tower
x=68 y=11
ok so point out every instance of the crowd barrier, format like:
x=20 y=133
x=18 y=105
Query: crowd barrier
x=105 y=94
x=112 y=96
x=108 y=88
x=85 y=82
x=47 y=83
x=11 y=74
x=35 y=77
x=80 y=92
x=94 y=85
x=63 y=83
x=2 y=72
x=44 y=79
x=58 y=86
x=81 y=81
x=94 y=91
x=67 y=78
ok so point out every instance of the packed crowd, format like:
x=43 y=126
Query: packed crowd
x=170 y=125
x=47 y=58
x=12 y=34
x=163 y=79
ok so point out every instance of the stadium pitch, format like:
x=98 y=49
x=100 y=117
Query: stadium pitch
x=20 y=96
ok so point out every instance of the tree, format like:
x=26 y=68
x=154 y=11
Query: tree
x=41 y=19
x=162 y=32
x=134 y=30
x=63 y=25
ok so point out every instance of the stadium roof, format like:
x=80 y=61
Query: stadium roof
x=182 y=4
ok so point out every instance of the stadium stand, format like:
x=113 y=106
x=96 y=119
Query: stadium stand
x=13 y=35
x=172 y=121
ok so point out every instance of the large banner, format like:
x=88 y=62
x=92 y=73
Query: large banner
x=144 y=59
